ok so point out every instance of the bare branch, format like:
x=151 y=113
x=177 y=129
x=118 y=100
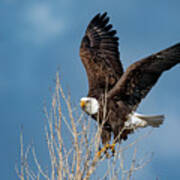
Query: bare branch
x=76 y=158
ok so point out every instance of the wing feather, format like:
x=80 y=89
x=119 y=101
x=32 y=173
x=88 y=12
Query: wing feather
x=141 y=76
x=100 y=55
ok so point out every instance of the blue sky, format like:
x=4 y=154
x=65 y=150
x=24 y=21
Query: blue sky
x=39 y=37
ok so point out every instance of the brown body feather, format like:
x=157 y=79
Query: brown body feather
x=100 y=56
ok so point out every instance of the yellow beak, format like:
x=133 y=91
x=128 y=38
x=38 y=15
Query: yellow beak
x=82 y=104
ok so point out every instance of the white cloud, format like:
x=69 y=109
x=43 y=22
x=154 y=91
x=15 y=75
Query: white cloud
x=42 y=23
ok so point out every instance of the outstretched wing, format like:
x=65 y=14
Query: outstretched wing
x=140 y=77
x=100 y=56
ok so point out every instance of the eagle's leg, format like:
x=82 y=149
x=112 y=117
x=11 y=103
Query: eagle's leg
x=106 y=138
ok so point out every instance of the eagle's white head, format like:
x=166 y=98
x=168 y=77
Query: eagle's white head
x=90 y=105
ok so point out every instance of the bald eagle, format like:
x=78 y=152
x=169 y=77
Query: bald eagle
x=114 y=95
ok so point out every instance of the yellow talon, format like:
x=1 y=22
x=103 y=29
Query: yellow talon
x=113 y=148
x=105 y=148
x=99 y=153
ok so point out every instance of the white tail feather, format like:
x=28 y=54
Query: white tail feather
x=154 y=121
x=137 y=120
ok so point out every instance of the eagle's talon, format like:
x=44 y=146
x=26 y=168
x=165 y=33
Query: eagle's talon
x=105 y=150
x=113 y=149
x=99 y=154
